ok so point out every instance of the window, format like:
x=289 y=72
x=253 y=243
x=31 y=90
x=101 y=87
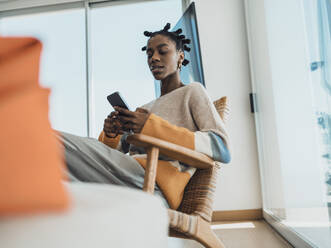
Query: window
x=118 y=64
x=63 y=66
x=292 y=119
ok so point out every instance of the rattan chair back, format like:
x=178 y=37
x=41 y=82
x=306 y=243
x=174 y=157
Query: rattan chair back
x=199 y=193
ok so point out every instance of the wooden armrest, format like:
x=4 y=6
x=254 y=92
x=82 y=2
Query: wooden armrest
x=180 y=153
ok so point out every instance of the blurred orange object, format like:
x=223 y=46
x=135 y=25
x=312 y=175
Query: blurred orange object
x=31 y=161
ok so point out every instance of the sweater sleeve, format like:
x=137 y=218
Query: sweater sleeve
x=212 y=138
x=205 y=114
x=118 y=143
x=213 y=146
x=205 y=142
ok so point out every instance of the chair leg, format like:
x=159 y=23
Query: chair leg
x=206 y=236
x=150 y=172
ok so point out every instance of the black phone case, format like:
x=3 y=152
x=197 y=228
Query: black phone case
x=115 y=99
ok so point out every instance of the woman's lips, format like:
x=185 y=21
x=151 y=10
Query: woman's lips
x=156 y=69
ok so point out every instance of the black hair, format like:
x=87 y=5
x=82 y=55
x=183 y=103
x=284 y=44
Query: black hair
x=175 y=36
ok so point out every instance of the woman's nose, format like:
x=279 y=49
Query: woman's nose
x=155 y=57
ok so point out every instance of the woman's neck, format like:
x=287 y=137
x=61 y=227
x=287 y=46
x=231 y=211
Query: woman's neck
x=170 y=83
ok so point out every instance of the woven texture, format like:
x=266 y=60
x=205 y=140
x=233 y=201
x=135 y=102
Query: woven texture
x=199 y=193
x=182 y=222
x=222 y=108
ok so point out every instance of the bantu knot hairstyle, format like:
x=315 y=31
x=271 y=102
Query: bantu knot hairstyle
x=176 y=36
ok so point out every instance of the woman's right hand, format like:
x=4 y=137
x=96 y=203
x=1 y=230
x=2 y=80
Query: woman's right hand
x=112 y=125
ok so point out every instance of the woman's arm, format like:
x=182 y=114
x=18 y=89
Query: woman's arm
x=208 y=143
x=211 y=139
x=212 y=145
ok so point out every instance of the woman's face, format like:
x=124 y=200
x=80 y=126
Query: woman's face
x=163 y=57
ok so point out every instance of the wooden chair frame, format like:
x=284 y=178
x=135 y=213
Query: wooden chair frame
x=192 y=220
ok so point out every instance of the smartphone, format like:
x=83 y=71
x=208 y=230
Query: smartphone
x=116 y=99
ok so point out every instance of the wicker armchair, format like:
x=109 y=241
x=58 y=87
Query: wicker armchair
x=193 y=217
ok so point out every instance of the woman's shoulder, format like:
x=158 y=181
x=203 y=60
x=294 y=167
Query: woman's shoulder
x=196 y=89
x=195 y=85
x=149 y=105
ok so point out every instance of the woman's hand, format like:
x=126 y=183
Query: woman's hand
x=112 y=125
x=134 y=121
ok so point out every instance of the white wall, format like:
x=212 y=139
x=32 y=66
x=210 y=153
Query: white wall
x=222 y=32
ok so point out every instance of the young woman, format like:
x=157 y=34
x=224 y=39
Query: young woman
x=183 y=115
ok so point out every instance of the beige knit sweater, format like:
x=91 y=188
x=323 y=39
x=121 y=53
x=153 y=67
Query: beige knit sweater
x=185 y=116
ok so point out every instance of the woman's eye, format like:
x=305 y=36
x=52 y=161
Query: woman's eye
x=163 y=52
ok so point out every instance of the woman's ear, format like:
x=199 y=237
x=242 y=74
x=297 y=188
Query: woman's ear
x=181 y=57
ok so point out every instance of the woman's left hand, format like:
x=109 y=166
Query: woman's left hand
x=134 y=121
